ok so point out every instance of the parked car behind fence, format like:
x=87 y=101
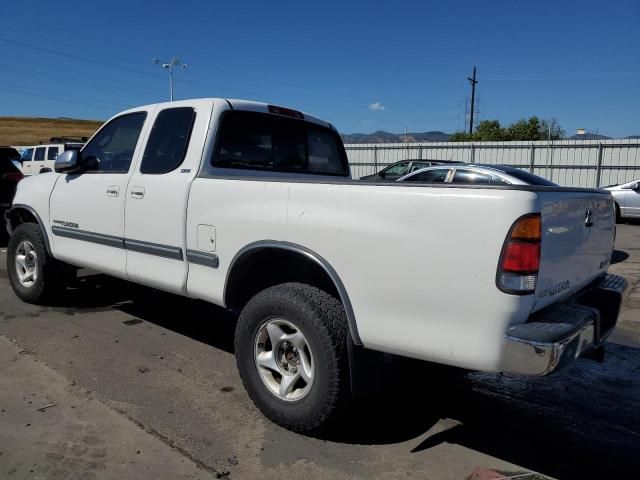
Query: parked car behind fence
x=627 y=198
x=476 y=174
x=403 y=167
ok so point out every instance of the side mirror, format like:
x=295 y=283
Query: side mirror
x=635 y=186
x=68 y=162
x=382 y=174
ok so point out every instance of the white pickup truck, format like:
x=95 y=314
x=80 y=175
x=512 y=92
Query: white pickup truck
x=252 y=207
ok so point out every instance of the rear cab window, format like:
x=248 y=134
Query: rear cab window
x=275 y=143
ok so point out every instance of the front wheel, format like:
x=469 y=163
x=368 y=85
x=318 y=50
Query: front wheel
x=618 y=214
x=35 y=276
x=292 y=357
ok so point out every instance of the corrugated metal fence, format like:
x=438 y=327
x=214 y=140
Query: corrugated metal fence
x=588 y=163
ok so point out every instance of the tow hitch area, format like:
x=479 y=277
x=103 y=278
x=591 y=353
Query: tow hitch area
x=557 y=335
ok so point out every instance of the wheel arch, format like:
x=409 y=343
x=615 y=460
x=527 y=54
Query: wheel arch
x=19 y=214
x=255 y=257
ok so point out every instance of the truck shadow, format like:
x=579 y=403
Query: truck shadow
x=619 y=256
x=582 y=422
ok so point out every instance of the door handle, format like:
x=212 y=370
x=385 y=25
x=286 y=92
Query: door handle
x=113 y=190
x=137 y=192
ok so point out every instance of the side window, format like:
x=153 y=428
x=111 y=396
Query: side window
x=399 y=169
x=498 y=181
x=430 y=176
x=111 y=150
x=52 y=153
x=27 y=155
x=418 y=165
x=469 y=176
x=168 y=141
x=39 y=154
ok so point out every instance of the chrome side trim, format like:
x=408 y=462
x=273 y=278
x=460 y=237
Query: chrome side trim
x=99 y=238
x=313 y=256
x=203 y=258
x=20 y=206
x=166 y=251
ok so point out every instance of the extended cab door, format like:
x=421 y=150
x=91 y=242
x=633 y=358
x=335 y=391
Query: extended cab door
x=87 y=208
x=156 y=199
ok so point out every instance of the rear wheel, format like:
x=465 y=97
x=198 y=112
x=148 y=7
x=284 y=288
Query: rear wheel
x=35 y=275
x=292 y=356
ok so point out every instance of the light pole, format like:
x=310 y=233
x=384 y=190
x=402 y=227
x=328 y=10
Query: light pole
x=170 y=65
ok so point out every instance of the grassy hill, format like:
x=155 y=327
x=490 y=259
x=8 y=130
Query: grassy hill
x=32 y=131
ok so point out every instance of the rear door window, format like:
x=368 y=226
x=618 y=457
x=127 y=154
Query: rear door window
x=470 y=176
x=430 y=176
x=418 y=165
x=397 y=170
x=52 y=153
x=267 y=142
x=168 y=141
x=27 y=155
x=39 y=156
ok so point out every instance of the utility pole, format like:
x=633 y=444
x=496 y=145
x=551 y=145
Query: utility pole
x=170 y=65
x=473 y=99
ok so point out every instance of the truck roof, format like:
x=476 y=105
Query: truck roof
x=237 y=104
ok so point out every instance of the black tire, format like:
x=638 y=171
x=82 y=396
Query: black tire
x=321 y=319
x=51 y=278
x=618 y=214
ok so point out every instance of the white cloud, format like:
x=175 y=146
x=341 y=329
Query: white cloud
x=377 y=106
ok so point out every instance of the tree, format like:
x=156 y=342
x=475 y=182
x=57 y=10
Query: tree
x=557 y=132
x=524 y=129
x=489 y=131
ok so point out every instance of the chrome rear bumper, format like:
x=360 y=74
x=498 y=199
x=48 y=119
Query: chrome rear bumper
x=558 y=334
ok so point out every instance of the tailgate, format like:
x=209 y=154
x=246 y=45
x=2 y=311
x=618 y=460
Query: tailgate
x=578 y=232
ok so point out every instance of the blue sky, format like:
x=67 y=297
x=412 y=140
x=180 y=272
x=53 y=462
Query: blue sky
x=364 y=66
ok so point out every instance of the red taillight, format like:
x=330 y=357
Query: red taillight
x=520 y=258
x=13 y=176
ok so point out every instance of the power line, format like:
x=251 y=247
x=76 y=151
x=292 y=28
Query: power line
x=67 y=79
x=58 y=99
x=76 y=57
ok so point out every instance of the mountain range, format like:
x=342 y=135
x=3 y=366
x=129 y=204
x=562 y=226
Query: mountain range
x=386 y=137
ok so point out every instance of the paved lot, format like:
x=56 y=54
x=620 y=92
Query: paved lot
x=134 y=370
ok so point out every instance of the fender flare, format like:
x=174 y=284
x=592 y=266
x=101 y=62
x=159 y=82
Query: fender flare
x=20 y=206
x=314 y=257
